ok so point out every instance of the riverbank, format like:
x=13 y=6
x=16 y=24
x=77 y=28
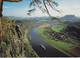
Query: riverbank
x=61 y=46
x=29 y=51
x=36 y=41
x=25 y=26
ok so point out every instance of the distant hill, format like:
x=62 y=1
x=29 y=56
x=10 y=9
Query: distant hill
x=43 y=17
x=68 y=17
x=71 y=18
x=15 y=17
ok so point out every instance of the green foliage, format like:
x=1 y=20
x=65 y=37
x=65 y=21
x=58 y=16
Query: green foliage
x=3 y=44
x=55 y=18
x=6 y=26
x=60 y=45
x=58 y=28
x=6 y=23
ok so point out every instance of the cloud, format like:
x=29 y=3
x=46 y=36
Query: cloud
x=5 y=7
x=39 y=13
x=66 y=6
x=72 y=10
x=65 y=10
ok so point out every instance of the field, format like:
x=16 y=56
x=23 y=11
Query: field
x=60 y=45
x=57 y=28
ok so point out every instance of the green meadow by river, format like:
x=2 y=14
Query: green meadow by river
x=60 y=45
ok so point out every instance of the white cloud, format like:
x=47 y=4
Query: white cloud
x=65 y=10
x=66 y=6
x=39 y=13
x=5 y=7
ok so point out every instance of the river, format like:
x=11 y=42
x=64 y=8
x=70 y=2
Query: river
x=36 y=40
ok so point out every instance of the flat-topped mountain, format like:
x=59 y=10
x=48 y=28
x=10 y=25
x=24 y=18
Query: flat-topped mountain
x=68 y=17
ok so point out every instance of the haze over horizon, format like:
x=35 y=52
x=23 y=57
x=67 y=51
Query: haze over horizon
x=19 y=9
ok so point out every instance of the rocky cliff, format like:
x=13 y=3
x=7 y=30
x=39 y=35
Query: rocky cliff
x=8 y=46
x=13 y=43
x=12 y=39
x=1 y=5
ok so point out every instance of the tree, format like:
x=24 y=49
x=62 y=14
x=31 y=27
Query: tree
x=43 y=6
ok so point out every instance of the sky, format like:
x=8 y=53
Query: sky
x=20 y=9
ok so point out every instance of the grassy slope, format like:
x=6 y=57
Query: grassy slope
x=60 y=45
x=57 y=28
x=30 y=52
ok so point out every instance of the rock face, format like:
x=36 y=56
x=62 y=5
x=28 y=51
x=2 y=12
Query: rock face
x=17 y=28
x=1 y=4
x=12 y=44
x=15 y=46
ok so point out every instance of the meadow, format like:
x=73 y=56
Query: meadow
x=60 y=45
x=57 y=28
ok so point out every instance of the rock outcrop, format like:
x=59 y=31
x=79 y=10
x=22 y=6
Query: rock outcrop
x=1 y=5
x=12 y=44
